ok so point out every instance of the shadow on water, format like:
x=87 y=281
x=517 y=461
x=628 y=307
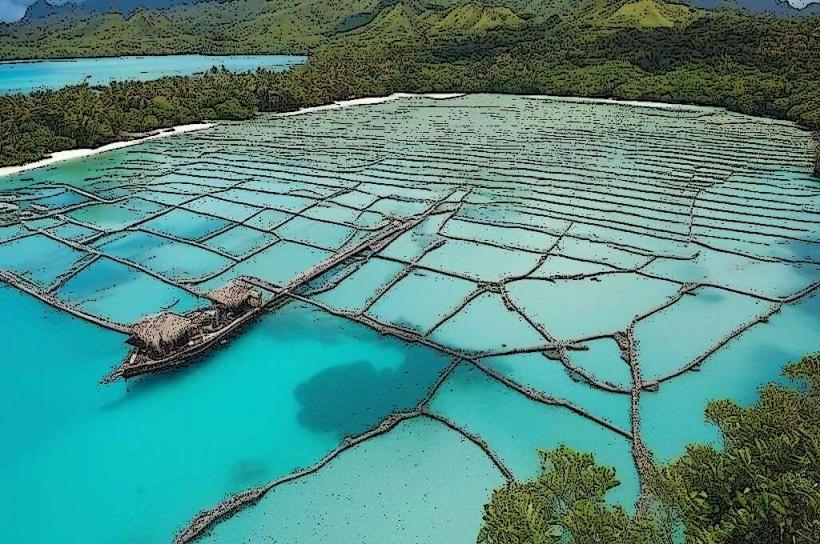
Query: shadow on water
x=349 y=399
x=249 y=472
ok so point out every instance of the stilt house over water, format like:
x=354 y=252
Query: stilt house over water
x=161 y=334
x=236 y=297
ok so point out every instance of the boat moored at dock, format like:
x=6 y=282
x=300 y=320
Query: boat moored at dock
x=168 y=340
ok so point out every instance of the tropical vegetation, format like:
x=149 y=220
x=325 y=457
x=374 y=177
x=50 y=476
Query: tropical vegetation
x=565 y=503
x=644 y=50
x=102 y=27
x=761 y=486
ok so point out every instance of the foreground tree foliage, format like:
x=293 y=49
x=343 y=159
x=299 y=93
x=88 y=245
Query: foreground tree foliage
x=565 y=503
x=762 y=487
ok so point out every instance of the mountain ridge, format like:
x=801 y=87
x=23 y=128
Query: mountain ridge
x=297 y=26
x=774 y=7
x=41 y=11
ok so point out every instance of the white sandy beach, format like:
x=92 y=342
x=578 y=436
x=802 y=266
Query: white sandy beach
x=369 y=101
x=61 y=156
x=617 y=102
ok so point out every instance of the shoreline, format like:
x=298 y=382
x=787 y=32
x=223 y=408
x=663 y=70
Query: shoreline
x=669 y=106
x=369 y=101
x=142 y=56
x=621 y=102
x=375 y=100
x=70 y=154
x=61 y=156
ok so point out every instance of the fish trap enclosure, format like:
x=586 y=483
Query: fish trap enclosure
x=577 y=263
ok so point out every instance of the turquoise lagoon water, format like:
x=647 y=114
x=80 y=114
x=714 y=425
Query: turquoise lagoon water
x=27 y=76
x=133 y=463
x=566 y=221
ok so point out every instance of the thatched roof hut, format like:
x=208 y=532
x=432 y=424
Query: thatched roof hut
x=162 y=332
x=236 y=295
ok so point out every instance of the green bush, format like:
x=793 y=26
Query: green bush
x=762 y=486
x=565 y=503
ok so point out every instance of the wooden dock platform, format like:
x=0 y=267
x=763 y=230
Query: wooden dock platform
x=138 y=363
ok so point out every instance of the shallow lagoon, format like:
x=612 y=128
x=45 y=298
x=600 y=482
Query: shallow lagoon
x=27 y=76
x=567 y=220
x=93 y=465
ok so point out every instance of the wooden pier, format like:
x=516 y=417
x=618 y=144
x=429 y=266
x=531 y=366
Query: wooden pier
x=139 y=361
x=136 y=363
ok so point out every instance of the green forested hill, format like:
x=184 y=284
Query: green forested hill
x=267 y=26
x=299 y=26
x=289 y=26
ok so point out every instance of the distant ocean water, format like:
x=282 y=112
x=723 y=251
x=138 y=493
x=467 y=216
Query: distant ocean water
x=25 y=77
